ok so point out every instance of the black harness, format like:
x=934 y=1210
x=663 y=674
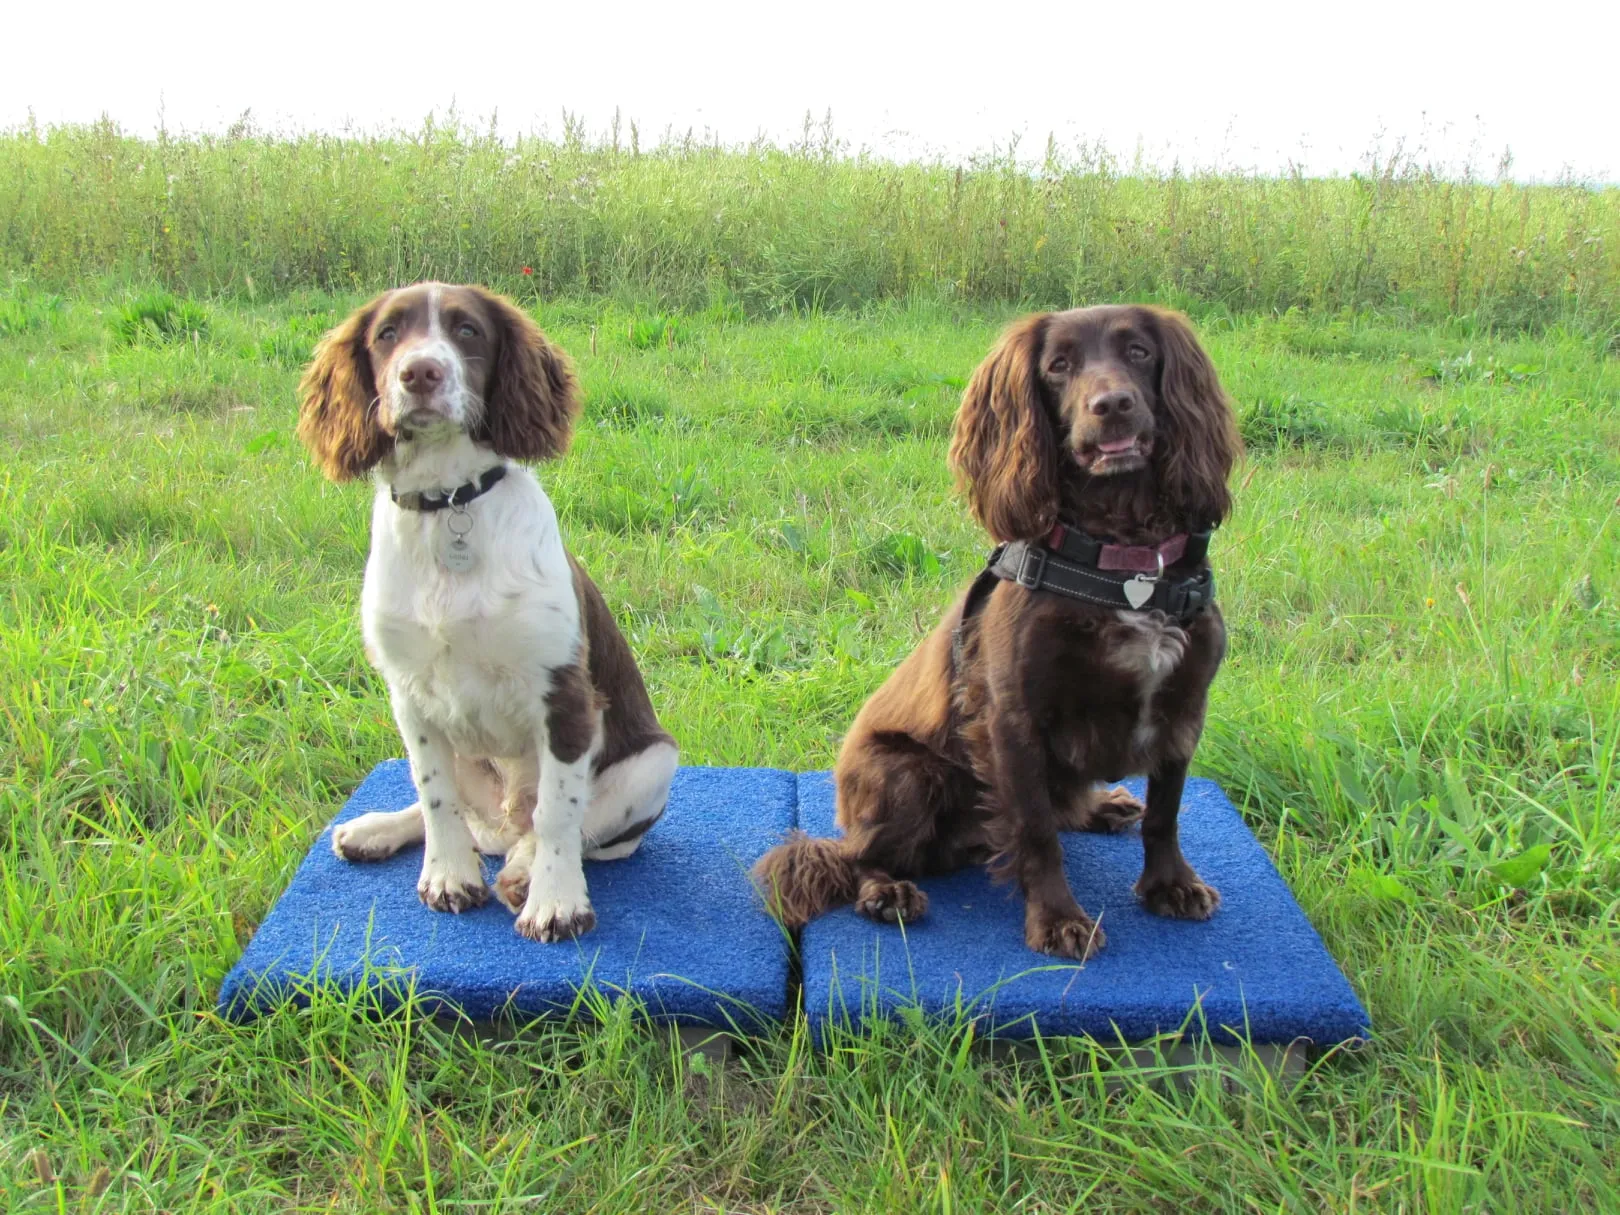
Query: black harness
x=1066 y=563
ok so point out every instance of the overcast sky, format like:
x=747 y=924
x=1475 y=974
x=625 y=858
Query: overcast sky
x=1241 y=84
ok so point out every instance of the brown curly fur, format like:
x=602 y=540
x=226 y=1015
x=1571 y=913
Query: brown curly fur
x=533 y=398
x=804 y=877
x=338 y=419
x=1002 y=449
x=1203 y=436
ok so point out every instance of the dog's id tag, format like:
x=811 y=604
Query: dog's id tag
x=1139 y=590
x=457 y=556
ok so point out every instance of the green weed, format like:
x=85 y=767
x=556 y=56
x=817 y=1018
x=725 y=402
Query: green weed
x=22 y=311
x=159 y=317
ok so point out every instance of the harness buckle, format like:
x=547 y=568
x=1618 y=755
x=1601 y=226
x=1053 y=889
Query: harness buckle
x=1186 y=599
x=1025 y=579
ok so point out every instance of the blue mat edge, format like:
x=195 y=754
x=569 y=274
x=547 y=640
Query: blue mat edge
x=245 y=995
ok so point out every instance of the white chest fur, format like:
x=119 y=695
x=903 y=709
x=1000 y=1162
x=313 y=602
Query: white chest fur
x=473 y=650
x=1152 y=646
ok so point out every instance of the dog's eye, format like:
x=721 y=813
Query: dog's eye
x=1058 y=365
x=466 y=329
x=1138 y=353
x=387 y=333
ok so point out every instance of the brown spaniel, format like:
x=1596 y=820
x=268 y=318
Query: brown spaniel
x=1095 y=446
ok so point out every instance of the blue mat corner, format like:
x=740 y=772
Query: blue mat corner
x=679 y=926
x=1256 y=970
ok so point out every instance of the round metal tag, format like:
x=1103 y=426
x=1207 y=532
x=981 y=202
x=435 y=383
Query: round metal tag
x=458 y=556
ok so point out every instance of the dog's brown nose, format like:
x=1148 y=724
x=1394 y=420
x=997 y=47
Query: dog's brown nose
x=1119 y=400
x=421 y=374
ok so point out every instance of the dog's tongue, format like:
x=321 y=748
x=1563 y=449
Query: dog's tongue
x=1117 y=446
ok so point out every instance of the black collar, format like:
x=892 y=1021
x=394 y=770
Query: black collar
x=459 y=496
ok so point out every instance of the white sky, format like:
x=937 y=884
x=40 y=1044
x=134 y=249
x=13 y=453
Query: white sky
x=1243 y=84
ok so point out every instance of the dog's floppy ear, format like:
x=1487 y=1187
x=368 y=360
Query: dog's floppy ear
x=1202 y=442
x=1002 y=447
x=337 y=419
x=532 y=397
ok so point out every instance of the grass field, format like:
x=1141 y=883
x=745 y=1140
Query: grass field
x=1420 y=718
x=254 y=215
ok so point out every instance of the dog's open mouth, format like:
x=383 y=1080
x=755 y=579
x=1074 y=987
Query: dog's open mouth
x=1115 y=455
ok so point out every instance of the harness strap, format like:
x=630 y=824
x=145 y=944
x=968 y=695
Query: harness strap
x=1037 y=568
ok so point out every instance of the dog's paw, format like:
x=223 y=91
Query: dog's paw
x=558 y=905
x=374 y=836
x=512 y=886
x=351 y=843
x=552 y=921
x=512 y=882
x=1115 y=810
x=1104 y=811
x=891 y=902
x=1182 y=897
x=1067 y=936
x=453 y=885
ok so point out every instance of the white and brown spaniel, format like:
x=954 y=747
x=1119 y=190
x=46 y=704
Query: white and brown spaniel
x=528 y=726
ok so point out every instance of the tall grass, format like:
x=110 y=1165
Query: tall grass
x=774 y=228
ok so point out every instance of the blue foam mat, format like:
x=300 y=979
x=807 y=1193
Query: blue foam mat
x=679 y=926
x=1257 y=967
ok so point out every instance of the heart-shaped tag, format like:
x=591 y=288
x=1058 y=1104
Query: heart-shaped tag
x=1139 y=590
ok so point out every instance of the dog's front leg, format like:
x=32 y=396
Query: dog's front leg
x=1168 y=885
x=452 y=877
x=1053 y=921
x=558 y=905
